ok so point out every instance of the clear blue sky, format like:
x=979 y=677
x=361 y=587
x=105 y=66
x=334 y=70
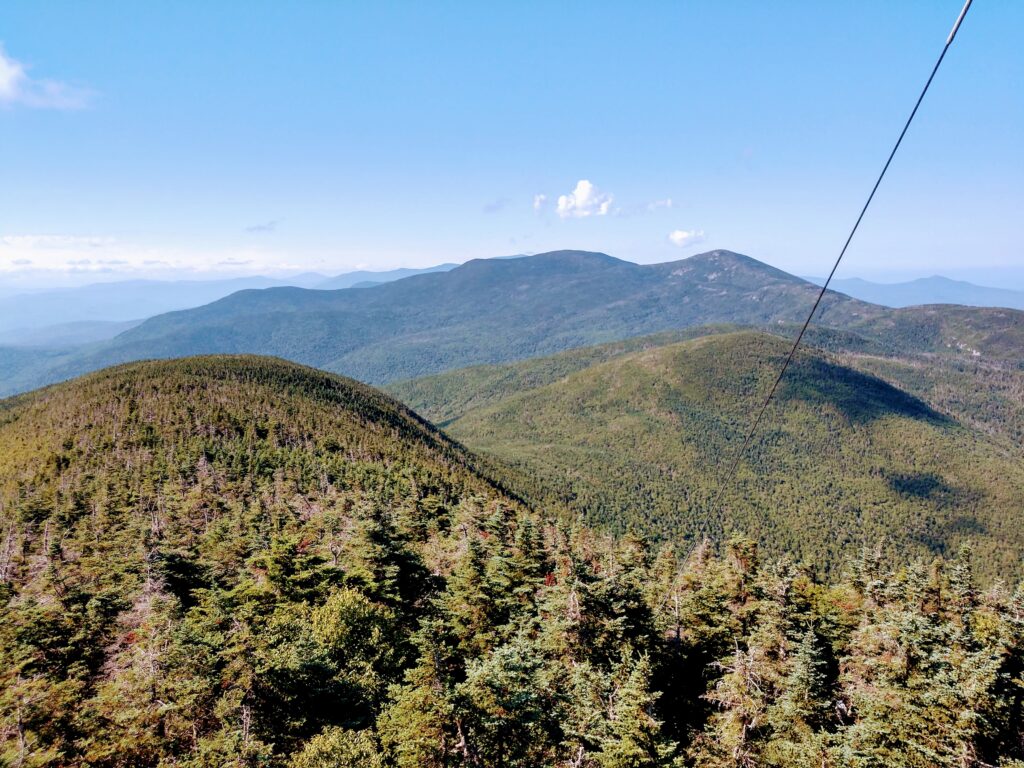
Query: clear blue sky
x=188 y=138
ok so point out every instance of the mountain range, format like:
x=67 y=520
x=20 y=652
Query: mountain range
x=927 y=290
x=366 y=278
x=46 y=316
x=482 y=311
x=495 y=310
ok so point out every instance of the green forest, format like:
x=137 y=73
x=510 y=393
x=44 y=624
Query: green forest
x=237 y=561
x=852 y=452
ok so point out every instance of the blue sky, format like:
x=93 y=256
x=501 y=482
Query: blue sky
x=190 y=139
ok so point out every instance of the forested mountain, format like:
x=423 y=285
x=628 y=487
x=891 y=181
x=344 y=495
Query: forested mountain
x=487 y=310
x=239 y=561
x=496 y=310
x=118 y=300
x=23 y=367
x=135 y=300
x=635 y=440
x=990 y=334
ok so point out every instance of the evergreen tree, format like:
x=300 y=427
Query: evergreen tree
x=633 y=737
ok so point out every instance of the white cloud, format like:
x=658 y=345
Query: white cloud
x=684 y=238
x=538 y=201
x=585 y=200
x=86 y=254
x=657 y=204
x=18 y=88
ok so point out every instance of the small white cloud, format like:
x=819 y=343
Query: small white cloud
x=659 y=204
x=538 y=201
x=18 y=88
x=585 y=200
x=684 y=238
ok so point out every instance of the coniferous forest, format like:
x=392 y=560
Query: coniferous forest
x=378 y=388
x=237 y=561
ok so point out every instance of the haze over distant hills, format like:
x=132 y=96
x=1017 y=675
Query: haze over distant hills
x=118 y=301
x=926 y=290
x=136 y=300
x=363 y=277
x=494 y=310
x=64 y=335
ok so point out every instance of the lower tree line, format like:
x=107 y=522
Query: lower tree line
x=540 y=645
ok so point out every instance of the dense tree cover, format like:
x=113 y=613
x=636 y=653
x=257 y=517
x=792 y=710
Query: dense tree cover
x=991 y=334
x=984 y=395
x=240 y=562
x=445 y=397
x=635 y=440
x=984 y=391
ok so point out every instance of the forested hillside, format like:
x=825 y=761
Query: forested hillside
x=239 y=561
x=844 y=459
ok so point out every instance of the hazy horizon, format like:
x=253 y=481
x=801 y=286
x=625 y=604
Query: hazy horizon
x=28 y=282
x=173 y=142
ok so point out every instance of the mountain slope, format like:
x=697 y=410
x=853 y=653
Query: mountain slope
x=119 y=300
x=498 y=310
x=843 y=459
x=481 y=312
x=157 y=519
x=989 y=334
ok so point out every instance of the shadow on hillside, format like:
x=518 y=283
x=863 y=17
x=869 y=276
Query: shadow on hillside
x=860 y=397
x=921 y=485
x=938 y=537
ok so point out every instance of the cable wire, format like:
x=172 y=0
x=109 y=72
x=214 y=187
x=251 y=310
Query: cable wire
x=738 y=454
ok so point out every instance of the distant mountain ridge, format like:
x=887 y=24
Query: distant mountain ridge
x=364 y=278
x=927 y=290
x=130 y=300
x=64 y=335
x=486 y=310
x=117 y=301
x=498 y=310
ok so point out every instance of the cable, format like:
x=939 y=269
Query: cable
x=738 y=455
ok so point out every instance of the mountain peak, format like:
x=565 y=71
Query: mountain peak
x=563 y=260
x=714 y=264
